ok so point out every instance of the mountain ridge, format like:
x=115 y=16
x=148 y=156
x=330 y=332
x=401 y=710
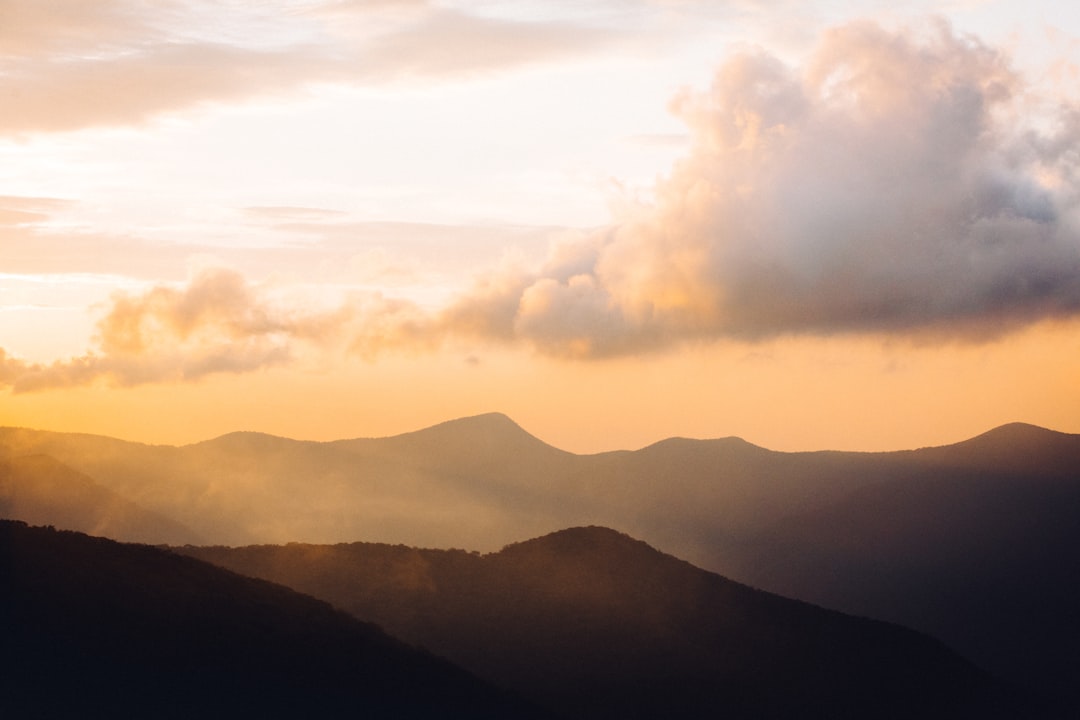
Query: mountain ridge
x=131 y=630
x=500 y=423
x=595 y=623
x=971 y=542
x=39 y=489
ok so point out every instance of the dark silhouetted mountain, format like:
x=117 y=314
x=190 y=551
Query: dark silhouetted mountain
x=974 y=543
x=94 y=628
x=1017 y=447
x=595 y=624
x=43 y=491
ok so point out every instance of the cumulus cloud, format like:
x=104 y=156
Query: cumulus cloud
x=215 y=324
x=904 y=182
x=219 y=323
x=11 y=369
x=908 y=183
x=69 y=64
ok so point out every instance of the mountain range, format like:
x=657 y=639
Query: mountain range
x=96 y=628
x=588 y=623
x=595 y=624
x=973 y=543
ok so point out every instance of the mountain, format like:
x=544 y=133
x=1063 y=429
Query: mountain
x=973 y=543
x=43 y=491
x=595 y=624
x=249 y=487
x=414 y=488
x=473 y=441
x=1013 y=447
x=102 y=629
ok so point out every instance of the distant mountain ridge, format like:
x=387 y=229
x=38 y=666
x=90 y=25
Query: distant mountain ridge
x=973 y=542
x=41 y=490
x=492 y=428
x=595 y=624
x=500 y=427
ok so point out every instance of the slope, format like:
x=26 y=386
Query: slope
x=596 y=625
x=250 y=487
x=93 y=626
x=973 y=543
x=42 y=491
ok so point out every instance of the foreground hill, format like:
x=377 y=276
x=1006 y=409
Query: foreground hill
x=97 y=628
x=43 y=491
x=974 y=543
x=595 y=624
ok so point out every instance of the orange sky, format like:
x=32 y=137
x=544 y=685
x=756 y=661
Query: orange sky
x=785 y=395
x=614 y=222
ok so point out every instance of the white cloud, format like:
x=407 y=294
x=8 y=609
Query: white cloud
x=883 y=186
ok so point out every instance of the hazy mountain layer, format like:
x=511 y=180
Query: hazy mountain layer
x=974 y=543
x=42 y=491
x=598 y=625
x=94 y=628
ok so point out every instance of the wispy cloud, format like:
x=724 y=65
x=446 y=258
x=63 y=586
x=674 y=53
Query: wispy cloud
x=69 y=65
x=19 y=210
x=48 y=236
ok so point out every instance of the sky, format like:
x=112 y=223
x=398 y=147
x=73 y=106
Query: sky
x=814 y=225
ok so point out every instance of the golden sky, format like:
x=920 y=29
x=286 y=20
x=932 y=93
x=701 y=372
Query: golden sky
x=813 y=225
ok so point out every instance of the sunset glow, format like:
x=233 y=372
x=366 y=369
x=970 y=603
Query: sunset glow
x=810 y=225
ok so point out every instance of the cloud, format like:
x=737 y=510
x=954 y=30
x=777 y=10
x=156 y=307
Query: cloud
x=898 y=182
x=49 y=237
x=62 y=94
x=68 y=65
x=18 y=210
x=907 y=183
x=36 y=29
x=11 y=369
x=38 y=237
x=216 y=324
x=219 y=323
x=447 y=43
x=286 y=213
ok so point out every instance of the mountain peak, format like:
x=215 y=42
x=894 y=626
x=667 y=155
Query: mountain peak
x=1016 y=439
x=246 y=439
x=680 y=444
x=477 y=433
x=1018 y=431
x=1016 y=447
x=488 y=421
x=583 y=540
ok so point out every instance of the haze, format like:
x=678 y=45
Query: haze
x=811 y=225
